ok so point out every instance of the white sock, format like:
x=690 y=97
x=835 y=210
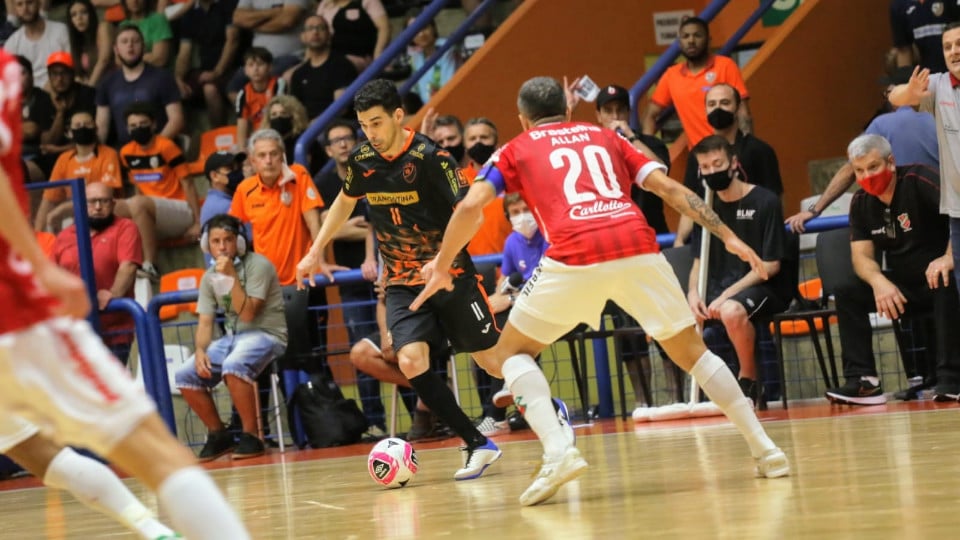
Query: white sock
x=95 y=485
x=198 y=508
x=716 y=380
x=531 y=393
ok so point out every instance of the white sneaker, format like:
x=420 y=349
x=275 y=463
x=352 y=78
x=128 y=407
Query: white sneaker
x=503 y=398
x=554 y=473
x=487 y=426
x=772 y=464
x=477 y=460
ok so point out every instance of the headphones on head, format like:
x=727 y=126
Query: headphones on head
x=227 y=223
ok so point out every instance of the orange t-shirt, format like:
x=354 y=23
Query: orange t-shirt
x=688 y=91
x=495 y=229
x=276 y=214
x=102 y=166
x=156 y=169
x=250 y=104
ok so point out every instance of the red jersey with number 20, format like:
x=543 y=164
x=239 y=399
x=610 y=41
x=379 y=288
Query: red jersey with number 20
x=576 y=179
x=25 y=303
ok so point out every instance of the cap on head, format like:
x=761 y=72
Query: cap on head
x=60 y=57
x=613 y=93
x=221 y=159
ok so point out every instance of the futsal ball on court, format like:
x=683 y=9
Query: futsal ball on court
x=392 y=462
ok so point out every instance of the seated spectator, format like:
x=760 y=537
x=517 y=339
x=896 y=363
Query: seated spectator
x=224 y=171
x=167 y=206
x=251 y=102
x=274 y=25
x=287 y=116
x=324 y=75
x=67 y=96
x=361 y=29
x=447 y=131
x=36 y=39
x=895 y=216
x=157 y=35
x=207 y=32
x=243 y=287
x=480 y=141
x=136 y=81
x=91 y=42
x=424 y=44
x=735 y=295
x=38 y=115
x=116 y=256
x=90 y=160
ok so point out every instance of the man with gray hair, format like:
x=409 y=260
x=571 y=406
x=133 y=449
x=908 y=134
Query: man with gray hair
x=895 y=217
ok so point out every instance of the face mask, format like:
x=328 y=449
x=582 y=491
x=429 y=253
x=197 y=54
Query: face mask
x=480 y=152
x=718 y=180
x=876 y=184
x=524 y=224
x=282 y=124
x=142 y=135
x=233 y=180
x=720 y=118
x=456 y=151
x=84 y=135
x=100 y=223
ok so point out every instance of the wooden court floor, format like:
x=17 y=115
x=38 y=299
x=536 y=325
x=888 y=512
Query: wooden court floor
x=877 y=473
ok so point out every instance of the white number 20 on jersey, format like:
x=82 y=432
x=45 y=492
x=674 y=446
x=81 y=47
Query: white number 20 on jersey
x=599 y=166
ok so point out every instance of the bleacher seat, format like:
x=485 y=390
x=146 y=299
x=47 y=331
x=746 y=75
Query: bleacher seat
x=221 y=139
x=180 y=280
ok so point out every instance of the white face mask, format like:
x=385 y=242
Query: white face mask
x=524 y=224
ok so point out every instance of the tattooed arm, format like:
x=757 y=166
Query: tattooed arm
x=689 y=204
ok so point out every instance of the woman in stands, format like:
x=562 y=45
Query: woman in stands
x=423 y=46
x=91 y=42
x=288 y=117
x=361 y=29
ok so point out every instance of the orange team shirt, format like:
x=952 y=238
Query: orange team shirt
x=495 y=229
x=251 y=104
x=276 y=214
x=102 y=166
x=688 y=92
x=156 y=169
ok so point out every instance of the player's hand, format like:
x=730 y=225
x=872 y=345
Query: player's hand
x=919 y=83
x=429 y=123
x=369 y=270
x=67 y=288
x=311 y=265
x=891 y=303
x=569 y=91
x=940 y=270
x=201 y=362
x=435 y=281
x=796 y=222
x=736 y=246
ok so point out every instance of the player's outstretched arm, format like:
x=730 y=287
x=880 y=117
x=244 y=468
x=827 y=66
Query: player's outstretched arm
x=689 y=204
x=313 y=262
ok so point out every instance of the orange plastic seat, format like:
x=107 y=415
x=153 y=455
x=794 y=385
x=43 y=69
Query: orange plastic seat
x=181 y=280
x=221 y=139
x=812 y=290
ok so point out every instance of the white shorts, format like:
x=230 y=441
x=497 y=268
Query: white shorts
x=59 y=375
x=173 y=217
x=558 y=297
x=14 y=430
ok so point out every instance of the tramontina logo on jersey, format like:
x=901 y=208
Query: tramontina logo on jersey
x=600 y=209
x=403 y=198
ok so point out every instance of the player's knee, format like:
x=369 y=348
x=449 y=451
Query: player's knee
x=411 y=365
x=733 y=314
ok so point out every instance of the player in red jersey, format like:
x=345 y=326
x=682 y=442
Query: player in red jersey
x=576 y=178
x=56 y=372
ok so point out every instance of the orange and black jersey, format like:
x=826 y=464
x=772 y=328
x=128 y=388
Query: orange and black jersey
x=411 y=199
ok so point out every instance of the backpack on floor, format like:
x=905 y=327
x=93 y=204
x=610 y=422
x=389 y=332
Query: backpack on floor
x=328 y=418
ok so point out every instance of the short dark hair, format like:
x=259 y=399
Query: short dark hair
x=141 y=108
x=258 y=53
x=25 y=63
x=225 y=222
x=951 y=26
x=696 y=20
x=712 y=143
x=377 y=92
x=483 y=121
x=449 y=120
x=128 y=27
x=338 y=123
x=415 y=12
x=541 y=97
x=80 y=110
x=736 y=93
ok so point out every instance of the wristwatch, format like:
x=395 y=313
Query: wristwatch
x=813 y=209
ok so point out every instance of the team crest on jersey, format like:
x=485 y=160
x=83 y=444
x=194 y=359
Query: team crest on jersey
x=904 y=221
x=711 y=77
x=937 y=9
x=418 y=153
x=409 y=172
x=154 y=162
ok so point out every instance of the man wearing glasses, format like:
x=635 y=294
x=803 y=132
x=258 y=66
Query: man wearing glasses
x=900 y=248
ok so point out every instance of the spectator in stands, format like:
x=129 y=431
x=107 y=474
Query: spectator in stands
x=168 y=206
x=274 y=25
x=207 y=32
x=915 y=23
x=912 y=136
x=287 y=116
x=324 y=75
x=424 y=44
x=895 y=215
x=91 y=42
x=90 y=160
x=735 y=295
x=116 y=256
x=38 y=115
x=263 y=86
x=361 y=29
x=447 y=131
x=756 y=159
x=225 y=172
x=67 y=95
x=479 y=142
x=244 y=288
x=136 y=81
x=157 y=35
x=37 y=38
x=684 y=85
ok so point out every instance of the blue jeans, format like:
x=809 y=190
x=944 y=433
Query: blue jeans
x=244 y=356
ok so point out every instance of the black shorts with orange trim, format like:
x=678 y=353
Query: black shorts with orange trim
x=462 y=316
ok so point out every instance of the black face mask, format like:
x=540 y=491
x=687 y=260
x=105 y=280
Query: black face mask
x=720 y=118
x=282 y=124
x=480 y=152
x=141 y=135
x=84 y=135
x=233 y=180
x=455 y=151
x=100 y=223
x=718 y=180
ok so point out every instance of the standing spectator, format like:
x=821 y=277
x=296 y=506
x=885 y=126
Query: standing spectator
x=207 y=31
x=323 y=75
x=287 y=116
x=274 y=25
x=38 y=115
x=67 y=95
x=91 y=42
x=263 y=86
x=447 y=132
x=737 y=295
x=424 y=44
x=895 y=215
x=136 y=81
x=480 y=141
x=685 y=85
x=116 y=256
x=90 y=160
x=920 y=24
x=157 y=35
x=37 y=38
x=168 y=206
x=361 y=29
